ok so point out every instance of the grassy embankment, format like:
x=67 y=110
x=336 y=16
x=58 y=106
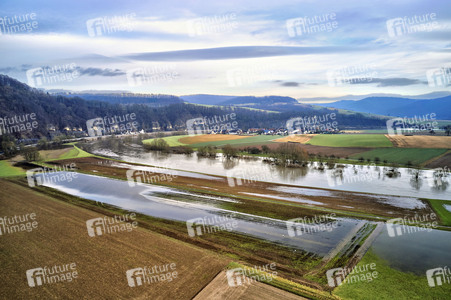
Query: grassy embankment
x=442 y=212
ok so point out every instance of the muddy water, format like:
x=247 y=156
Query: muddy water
x=368 y=179
x=168 y=203
x=416 y=250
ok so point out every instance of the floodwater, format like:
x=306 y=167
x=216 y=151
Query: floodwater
x=416 y=250
x=368 y=179
x=172 y=204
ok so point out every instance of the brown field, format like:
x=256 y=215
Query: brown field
x=61 y=238
x=440 y=162
x=302 y=138
x=53 y=154
x=420 y=141
x=210 y=138
x=218 y=288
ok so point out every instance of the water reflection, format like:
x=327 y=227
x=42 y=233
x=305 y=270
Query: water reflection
x=290 y=174
x=415 y=178
x=230 y=163
x=359 y=178
x=173 y=204
x=415 y=252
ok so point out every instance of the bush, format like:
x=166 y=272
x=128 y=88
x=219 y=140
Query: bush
x=182 y=150
x=30 y=153
x=289 y=154
x=157 y=145
x=229 y=151
x=206 y=151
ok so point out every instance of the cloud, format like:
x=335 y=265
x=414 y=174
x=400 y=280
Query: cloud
x=290 y=83
x=23 y=68
x=238 y=52
x=383 y=82
x=100 y=72
x=7 y=69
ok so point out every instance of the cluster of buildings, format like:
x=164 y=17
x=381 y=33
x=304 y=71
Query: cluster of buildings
x=274 y=131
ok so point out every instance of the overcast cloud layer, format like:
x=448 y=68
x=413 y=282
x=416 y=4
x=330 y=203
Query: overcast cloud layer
x=265 y=47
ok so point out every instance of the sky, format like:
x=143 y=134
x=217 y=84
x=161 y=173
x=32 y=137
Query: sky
x=302 y=49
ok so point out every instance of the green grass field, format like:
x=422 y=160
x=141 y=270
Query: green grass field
x=351 y=140
x=73 y=153
x=391 y=284
x=442 y=212
x=7 y=170
x=416 y=156
x=252 y=140
x=173 y=141
x=383 y=131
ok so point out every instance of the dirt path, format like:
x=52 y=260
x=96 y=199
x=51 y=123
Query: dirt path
x=365 y=246
x=344 y=242
x=219 y=288
x=369 y=241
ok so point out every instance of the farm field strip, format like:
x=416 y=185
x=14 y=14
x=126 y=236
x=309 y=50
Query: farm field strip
x=420 y=141
x=351 y=140
x=247 y=140
x=173 y=141
x=416 y=156
x=301 y=138
x=205 y=138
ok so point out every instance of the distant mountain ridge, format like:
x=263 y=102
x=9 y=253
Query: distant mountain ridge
x=399 y=107
x=271 y=103
x=432 y=95
x=266 y=100
x=206 y=99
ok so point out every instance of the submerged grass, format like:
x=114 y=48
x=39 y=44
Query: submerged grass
x=391 y=284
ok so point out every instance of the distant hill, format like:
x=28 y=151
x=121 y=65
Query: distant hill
x=399 y=107
x=55 y=113
x=206 y=99
x=271 y=103
x=153 y=100
x=315 y=100
x=255 y=101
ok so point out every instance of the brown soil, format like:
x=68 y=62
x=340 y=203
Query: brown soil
x=440 y=162
x=420 y=141
x=219 y=288
x=61 y=238
x=304 y=138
